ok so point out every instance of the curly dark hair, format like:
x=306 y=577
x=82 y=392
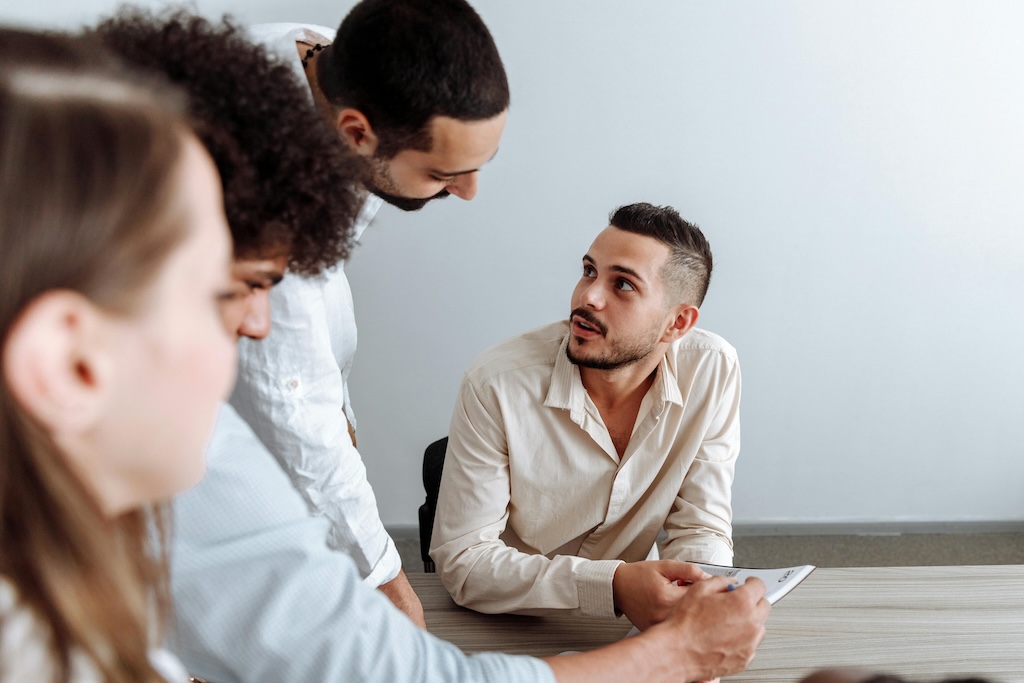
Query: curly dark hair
x=290 y=183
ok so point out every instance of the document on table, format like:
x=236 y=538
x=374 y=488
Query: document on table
x=779 y=581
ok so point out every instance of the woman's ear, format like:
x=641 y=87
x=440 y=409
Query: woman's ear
x=55 y=363
x=355 y=129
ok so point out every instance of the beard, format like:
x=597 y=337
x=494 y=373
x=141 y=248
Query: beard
x=383 y=185
x=621 y=353
x=405 y=203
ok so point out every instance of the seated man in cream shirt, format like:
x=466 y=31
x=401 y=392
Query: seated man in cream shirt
x=572 y=446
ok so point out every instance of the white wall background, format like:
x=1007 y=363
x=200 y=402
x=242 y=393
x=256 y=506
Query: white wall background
x=859 y=171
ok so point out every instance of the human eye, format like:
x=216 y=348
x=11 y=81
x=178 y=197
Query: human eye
x=588 y=270
x=233 y=292
x=624 y=285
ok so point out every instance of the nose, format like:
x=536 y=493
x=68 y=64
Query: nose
x=592 y=296
x=256 y=322
x=464 y=186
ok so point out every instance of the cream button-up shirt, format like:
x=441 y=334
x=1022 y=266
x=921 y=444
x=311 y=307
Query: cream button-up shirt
x=536 y=509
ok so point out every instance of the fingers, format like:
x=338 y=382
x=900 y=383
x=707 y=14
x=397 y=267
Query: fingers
x=753 y=589
x=683 y=571
x=714 y=584
x=754 y=585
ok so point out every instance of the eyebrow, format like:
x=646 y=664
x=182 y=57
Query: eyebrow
x=437 y=171
x=617 y=269
x=270 y=277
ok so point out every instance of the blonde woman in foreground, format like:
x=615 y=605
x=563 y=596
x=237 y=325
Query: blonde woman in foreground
x=114 y=251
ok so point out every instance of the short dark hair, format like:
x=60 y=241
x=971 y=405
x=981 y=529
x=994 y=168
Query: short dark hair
x=688 y=269
x=291 y=185
x=403 y=62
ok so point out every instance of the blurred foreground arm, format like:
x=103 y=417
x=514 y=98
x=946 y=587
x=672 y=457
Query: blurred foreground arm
x=711 y=632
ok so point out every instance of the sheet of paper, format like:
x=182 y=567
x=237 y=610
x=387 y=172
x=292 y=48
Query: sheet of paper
x=779 y=581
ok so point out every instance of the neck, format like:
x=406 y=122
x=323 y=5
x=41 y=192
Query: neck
x=621 y=386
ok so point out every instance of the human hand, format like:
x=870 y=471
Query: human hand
x=646 y=591
x=399 y=591
x=715 y=630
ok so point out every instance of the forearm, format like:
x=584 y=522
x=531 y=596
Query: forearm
x=494 y=578
x=291 y=391
x=698 y=545
x=649 y=657
x=699 y=526
x=401 y=594
x=710 y=632
x=260 y=598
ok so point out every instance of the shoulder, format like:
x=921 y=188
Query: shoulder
x=699 y=342
x=527 y=353
x=25 y=653
x=23 y=640
x=280 y=39
x=272 y=33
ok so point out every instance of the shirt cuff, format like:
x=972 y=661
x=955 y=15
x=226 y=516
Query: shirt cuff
x=594 y=587
x=387 y=567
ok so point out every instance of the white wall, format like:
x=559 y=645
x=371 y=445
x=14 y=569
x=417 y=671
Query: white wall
x=859 y=171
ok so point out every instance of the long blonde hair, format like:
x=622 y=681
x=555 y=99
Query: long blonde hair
x=89 y=203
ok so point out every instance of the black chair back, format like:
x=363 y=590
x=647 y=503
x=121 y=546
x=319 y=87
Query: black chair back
x=433 y=464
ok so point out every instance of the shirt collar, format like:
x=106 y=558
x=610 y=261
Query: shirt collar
x=371 y=204
x=566 y=389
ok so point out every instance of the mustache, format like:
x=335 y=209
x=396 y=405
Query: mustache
x=589 y=317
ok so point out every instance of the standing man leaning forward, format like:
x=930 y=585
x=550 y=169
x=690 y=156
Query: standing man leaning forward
x=416 y=88
x=573 y=445
x=417 y=91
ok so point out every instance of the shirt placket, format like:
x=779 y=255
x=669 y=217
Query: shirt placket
x=619 y=499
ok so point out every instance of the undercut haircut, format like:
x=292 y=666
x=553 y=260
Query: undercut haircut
x=403 y=62
x=687 y=273
x=291 y=185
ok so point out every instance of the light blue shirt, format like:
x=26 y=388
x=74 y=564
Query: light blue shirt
x=260 y=598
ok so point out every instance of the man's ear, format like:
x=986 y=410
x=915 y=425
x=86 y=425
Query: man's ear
x=355 y=129
x=54 y=364
x=685 y=317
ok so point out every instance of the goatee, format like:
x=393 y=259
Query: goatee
x=405 y=203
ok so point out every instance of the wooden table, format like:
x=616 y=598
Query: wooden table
x=920 y=622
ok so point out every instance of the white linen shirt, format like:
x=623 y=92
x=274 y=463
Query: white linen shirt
x=293 y=386
x=536 y=510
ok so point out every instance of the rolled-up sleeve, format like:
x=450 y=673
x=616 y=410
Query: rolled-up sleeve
x=291 y=391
